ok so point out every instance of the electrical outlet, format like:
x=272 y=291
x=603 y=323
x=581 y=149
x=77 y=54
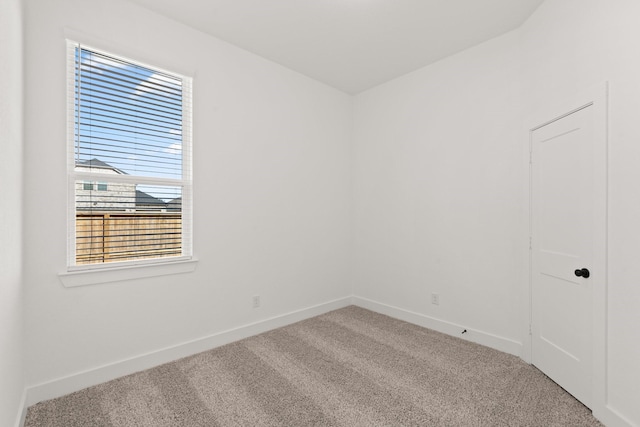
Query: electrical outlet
x=256 y=301
x=435 y=299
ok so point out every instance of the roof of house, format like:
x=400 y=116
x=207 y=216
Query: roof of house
x=175 y=205
x=144 y=199
x=96 y=163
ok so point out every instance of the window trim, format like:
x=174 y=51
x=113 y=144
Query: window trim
x=77 y=275
x=81 y=276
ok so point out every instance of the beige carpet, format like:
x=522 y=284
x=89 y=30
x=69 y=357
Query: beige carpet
x=350 y=367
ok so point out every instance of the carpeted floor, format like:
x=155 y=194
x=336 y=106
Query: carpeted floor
x=349 y=367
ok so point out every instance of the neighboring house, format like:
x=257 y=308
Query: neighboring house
x=113 y=196
x=148 y=203
x=175 y=205
x=103 y=196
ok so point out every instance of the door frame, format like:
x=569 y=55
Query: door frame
x=597 y=98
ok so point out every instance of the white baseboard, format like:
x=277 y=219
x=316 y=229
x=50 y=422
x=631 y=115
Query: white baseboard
x=78 y=381
x=480 y=337
x=22 y=409
x=610 y=417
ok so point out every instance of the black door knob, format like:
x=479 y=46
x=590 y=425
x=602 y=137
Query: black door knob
x=582 y=273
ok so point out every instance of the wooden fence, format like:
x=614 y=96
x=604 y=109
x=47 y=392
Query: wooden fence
x=108 y=237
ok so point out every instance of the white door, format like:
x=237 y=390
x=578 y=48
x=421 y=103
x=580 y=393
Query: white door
x=562 y=190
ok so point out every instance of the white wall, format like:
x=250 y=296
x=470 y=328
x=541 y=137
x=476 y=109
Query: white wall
x=439 y=181
x=567 y=46
x=271 y=182
x=438 y=190
x=11 y=299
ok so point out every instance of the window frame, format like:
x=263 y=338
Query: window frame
x=77 y=275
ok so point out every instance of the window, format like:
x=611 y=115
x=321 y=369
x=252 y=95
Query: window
x=129 y=137
x=90 y=186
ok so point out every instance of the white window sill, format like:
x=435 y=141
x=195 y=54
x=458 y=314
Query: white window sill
x=72 y=279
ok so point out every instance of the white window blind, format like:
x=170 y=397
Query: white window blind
x=129 y=160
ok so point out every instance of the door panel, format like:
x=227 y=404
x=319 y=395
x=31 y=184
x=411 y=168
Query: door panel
x=562 y=242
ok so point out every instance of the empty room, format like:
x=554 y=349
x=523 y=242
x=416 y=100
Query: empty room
x=331 y=212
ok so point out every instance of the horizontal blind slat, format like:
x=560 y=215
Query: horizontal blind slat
x=97 y=109
x=113 y=128
x=91 y=83
x=86 y=98
x=128 y=81
x=92 y=134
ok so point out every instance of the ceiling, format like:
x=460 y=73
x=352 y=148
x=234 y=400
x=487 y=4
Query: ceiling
x=352 y=45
